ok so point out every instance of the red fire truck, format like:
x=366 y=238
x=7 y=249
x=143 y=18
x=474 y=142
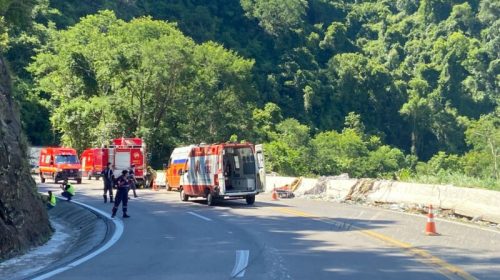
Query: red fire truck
x=122 y=153
x=217 y=171
x=94 y=161
x=127 y=151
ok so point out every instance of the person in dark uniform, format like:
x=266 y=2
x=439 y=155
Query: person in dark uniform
x=131 y=178
x=108 y=179
x=121 y=194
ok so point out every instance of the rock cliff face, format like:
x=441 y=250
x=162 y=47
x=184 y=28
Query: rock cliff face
x=23 y=217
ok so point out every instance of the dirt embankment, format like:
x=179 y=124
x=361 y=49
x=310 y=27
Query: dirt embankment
x=23 y=219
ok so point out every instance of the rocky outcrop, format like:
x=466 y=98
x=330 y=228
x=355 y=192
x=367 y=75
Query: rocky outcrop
x=23 y=217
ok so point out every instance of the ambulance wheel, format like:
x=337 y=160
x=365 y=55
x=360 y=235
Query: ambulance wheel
x=250 y=199
x=184 y=196
x=90 y=177
x=79 y=181
x=42 y=179
x=210 y=199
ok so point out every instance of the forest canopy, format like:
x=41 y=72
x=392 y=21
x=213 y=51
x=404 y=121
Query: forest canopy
x=371 y=88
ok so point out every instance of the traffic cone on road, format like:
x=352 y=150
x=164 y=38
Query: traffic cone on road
x=430 y=227
x=274 y=195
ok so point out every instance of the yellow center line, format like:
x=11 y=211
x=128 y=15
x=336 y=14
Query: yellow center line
x=426 y=257
x=295 y=212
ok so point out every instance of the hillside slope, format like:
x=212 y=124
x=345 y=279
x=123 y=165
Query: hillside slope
x=23 y=218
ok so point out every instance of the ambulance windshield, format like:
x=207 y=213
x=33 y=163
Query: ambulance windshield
x=66 y=159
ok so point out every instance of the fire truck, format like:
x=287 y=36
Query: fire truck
x=122 y=153
x=217 y=171
x=94 y=161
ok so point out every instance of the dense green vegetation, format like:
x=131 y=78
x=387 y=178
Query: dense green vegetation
x=371 y=88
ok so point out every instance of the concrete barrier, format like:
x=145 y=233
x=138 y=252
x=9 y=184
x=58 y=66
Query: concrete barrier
x=160 y=178
x=276 y=182
x=280 y=181
x=340 y=189
x=469 y=202
x=484 y=204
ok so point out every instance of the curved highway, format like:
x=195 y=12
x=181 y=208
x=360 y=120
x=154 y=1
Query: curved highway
x=286 y=239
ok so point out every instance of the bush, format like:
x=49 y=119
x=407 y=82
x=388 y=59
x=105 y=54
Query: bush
x=284 y=160
x=477 y=164
x=456 y=179
x=441 y=161
x=384 y=162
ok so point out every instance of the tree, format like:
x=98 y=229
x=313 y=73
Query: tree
x=142 y=78
x=220 y=98
x=288 y=152
x=484 y=136
x=417 y=110
x=336 y=153
x=275 y=16
x=265 y=121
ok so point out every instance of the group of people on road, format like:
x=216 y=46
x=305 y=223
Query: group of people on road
x=123 y=184
x=68 y=191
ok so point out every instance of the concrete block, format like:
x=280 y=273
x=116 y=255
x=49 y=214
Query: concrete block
x=340 y=188
x=463 y=201
x=306 y=185
x=277 y=181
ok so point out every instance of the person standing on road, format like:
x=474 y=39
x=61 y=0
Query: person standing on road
x=131 y=178
x=121 y=194
x=68 y=190
x=151 y=177
x=108 y=179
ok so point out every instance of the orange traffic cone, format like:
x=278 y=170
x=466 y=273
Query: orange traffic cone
x=274 y=195
x=430 y=227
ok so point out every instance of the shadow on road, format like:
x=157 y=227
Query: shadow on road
x=283 y=245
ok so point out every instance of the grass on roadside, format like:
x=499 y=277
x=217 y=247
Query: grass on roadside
x=456 y=179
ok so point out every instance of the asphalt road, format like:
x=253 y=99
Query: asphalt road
x=287 y=239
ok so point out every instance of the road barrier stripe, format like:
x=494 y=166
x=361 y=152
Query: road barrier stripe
x=241 y=263
x=200 y=216
x=424 y=256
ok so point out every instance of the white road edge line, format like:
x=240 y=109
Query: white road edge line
x=200 y=216
x=241 y=263
x=116 y=236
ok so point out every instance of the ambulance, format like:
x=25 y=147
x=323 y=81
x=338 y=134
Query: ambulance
x=58 y=164
x=217 y=171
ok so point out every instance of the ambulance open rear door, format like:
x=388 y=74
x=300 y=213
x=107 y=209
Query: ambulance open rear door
x=261 y=168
